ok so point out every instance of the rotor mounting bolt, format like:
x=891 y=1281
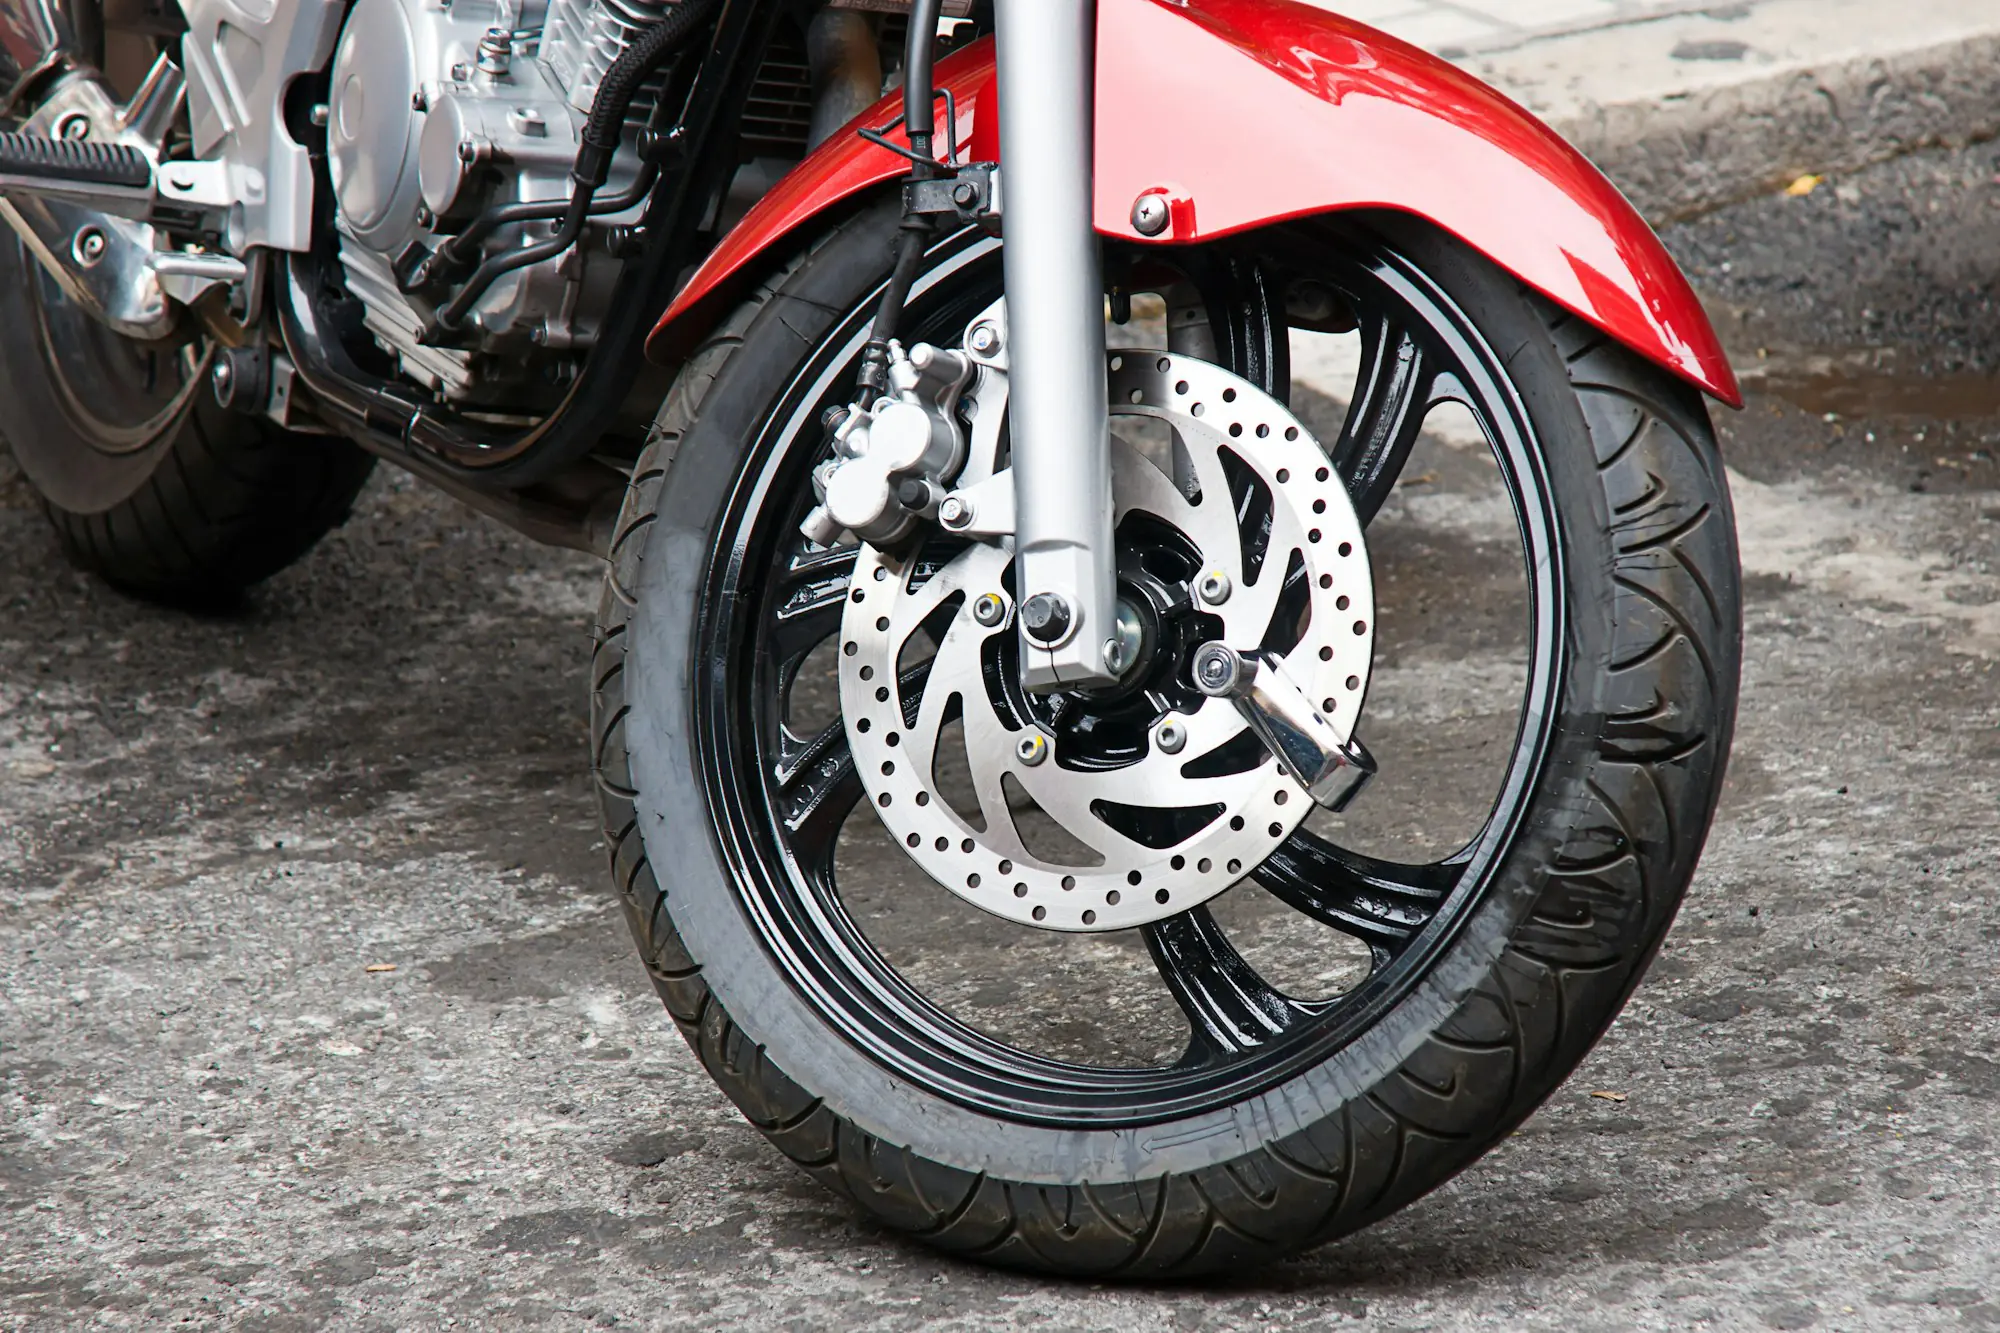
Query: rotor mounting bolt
x=985 y=339
x=1046 y=617
x=988 y=609
x=1171 y=735
x=1032 y=748
x=1214 y=587
x=955 y=513
x=1150 y=214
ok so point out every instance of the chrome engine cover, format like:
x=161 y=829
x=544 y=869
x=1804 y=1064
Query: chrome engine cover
x=424 y=131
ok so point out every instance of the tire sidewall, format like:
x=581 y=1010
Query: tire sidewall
x=678 y=829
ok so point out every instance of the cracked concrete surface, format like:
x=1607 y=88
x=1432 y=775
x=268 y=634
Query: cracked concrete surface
x=212 y=1109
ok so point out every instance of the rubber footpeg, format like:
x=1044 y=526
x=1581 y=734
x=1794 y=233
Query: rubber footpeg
x=77 y=160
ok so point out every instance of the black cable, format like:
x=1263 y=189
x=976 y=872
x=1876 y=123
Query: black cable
x=919 y=116
x=601 y=133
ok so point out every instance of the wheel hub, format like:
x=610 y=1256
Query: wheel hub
x=1165 y=798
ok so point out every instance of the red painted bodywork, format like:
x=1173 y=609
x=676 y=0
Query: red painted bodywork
x=1250 y=112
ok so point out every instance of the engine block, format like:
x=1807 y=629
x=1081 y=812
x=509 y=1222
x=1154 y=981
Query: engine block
x=439 y=111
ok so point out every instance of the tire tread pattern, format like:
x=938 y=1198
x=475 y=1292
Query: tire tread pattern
x=230 y=501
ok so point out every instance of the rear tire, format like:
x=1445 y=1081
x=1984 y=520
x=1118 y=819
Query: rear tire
x=148 y=482
x=1539 y=965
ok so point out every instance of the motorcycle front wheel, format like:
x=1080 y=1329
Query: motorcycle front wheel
x=1183 y=1096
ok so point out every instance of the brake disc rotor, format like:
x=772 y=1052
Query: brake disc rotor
x=1188 y=802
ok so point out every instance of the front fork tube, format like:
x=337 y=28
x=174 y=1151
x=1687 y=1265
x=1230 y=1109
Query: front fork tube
x=1064 y=562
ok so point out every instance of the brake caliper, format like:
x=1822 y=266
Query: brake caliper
x=892 y=460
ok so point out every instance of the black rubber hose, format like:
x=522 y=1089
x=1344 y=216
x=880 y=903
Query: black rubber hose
x=919 y=89
x=919 y=92
x=601 y=133
x=466 y=243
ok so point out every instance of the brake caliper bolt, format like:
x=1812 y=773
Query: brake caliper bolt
x=985 y=339
x=1032 y=749
x=988 y=609
x=1214 y=587
x=1046 y=617
x=1171 y=735
x=954 y=512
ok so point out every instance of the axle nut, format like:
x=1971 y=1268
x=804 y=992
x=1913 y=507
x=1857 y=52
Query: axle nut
x=1046 y=617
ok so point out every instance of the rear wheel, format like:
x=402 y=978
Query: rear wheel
x=857 y=1012
x=148 y=482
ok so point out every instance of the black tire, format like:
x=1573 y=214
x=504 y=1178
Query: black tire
x=1537 y=969
x=148 y=482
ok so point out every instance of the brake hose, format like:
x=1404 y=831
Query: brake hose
x=919 y=92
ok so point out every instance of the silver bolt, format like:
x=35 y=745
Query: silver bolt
x=985 y=339
x=1032 y=748
x=1171 y=735
x=461 y=72
x=954 y=512
x=222 y=378
x=1214 y=587
x=988 y=608
x=420 y=100
x=1114 y=655
x=1150 y=214
x=320 y=114
x=468 y=151
x=74 y=125
x=90 y=246
x=1216 y=669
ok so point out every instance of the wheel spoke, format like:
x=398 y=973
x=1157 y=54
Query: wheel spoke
x=811 y=595
x=1229 y=1006
x=1392 y=395
x=816 y=788
x=1382 y=903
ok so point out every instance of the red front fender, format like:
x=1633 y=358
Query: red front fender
x=1250 y=112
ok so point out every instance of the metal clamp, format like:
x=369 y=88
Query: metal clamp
x=1333 y=769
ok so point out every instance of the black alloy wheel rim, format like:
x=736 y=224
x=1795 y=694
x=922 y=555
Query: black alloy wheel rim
x=778 y=800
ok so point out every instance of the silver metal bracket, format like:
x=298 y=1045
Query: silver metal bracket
x=1332 y=768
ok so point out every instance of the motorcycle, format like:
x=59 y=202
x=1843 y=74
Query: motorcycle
x=849 y=393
